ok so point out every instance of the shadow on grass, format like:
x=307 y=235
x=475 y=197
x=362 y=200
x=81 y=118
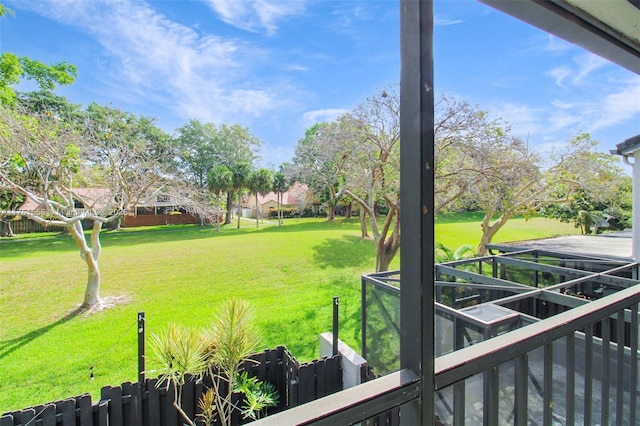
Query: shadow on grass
x=12 y=345
x=343 y=252
x=463 y=217
x=58 y=243
x=311 y=224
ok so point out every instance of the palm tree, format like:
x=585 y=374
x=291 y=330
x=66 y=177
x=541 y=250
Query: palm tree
x=279 y=187
x=260 y=182
x=220 y=179
x=239 y=181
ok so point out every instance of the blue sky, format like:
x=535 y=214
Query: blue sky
x=279 y=66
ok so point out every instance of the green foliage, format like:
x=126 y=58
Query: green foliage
x=261 y=181
x=444 y=254
x=203 y=146
x=180 y=351
x=220 y=179
x=279 y=182
x=231 y=338
x=14 y=68
x=221 y=348
x=258 y=396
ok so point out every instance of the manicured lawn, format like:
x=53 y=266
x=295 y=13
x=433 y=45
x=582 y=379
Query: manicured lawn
x=182 y=274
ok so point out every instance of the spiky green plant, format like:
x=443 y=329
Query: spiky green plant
x=181 y=352
x=229 y=341
x=207 y=405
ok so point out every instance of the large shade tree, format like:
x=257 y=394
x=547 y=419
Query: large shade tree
x=75 y=176
x=203 y=146
x=319 y=161
x=372 y=173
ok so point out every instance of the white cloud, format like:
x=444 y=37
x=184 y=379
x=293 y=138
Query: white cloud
x=561 y=104
x=555 y=45
x=257 y=14
x=559 y=74
x=295 y=67
x=577 y=73
x=587 y=63
x=443 y=22
x=322 y=115
x=618 y=107
x=523 y=119
x=197 y=75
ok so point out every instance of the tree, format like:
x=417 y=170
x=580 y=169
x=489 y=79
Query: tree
x=444 y=254
x=239 y=181
x=220 y=179
x=202 y=146
x=260 y=182
x=75 y=177
x=279 y=187
x=14 y=68
x=608 y=195
x=197 y=151
x=460 y=137
x=372 y=171
x=520 y=186
x=319 y=161
x=9 y=199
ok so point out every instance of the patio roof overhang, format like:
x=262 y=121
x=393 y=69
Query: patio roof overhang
x=628 y=147
x=610 y=29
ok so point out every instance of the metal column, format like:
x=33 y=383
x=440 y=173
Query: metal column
x=416 y=194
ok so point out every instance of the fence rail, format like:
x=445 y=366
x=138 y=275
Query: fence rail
x=147 y=404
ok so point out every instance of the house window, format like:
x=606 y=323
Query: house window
x=162 y=198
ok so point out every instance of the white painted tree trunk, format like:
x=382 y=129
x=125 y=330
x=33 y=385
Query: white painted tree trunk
x=90 y=255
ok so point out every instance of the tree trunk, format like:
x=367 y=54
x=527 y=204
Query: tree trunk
x=239 y=207
x=387 y=247
x=227 y=216
x=279 y=197
x=363 y=223
x=8 y=232
x=490 y=230
x=347 y=211
x=385 y=254
x=90 y=255
x=332 y=212
x=257 y=212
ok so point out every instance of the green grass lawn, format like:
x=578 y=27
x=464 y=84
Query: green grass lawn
x=182 y=274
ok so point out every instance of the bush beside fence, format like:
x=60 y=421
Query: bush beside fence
x=146 y=404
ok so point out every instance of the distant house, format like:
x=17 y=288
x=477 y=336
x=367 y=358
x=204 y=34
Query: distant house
x=159 y=209
x=294 y=199
x=156 y=209
x=96 y=199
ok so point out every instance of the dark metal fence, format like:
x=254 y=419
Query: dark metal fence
x=147 y=404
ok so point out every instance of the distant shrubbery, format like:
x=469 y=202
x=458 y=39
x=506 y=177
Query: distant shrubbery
x=291 y=213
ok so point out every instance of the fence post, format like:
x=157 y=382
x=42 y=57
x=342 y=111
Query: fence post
x=141 y=347
x=336 y=304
